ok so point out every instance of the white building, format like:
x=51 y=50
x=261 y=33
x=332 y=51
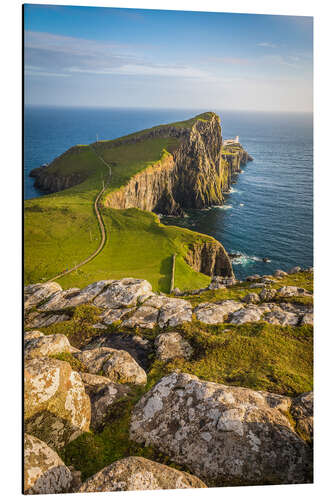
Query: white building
x=231 y=141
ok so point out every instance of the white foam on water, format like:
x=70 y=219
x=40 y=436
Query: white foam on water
x=243 y=259
x=223 y=207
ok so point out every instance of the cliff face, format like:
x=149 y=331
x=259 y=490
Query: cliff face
x=209 y=258
x=149 y=190
x=194 y=176
x=51 y=182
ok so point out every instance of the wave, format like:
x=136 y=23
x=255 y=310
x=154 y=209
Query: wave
x=242 y=259
x=223 y=207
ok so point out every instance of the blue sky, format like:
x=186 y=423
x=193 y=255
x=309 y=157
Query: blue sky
x=89 y=56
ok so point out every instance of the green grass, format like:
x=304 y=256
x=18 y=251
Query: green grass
x=259 y=356
x=92 y=451
x=128 y=159
x=238 y=291
x=139 y=246
x=61 y=229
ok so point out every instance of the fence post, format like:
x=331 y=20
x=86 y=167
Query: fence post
x=172 y=284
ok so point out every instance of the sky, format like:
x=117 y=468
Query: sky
x=107 y=57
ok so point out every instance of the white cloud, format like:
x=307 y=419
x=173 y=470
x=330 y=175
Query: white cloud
x=267 y=44
x=147 y=70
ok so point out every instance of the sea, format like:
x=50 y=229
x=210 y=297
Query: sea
x=268 y=213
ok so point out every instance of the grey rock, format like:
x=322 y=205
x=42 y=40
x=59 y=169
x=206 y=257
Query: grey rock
x=251 y=298
x=307 y=319
x=113 y=315
x=170 y=345
x=93 y=382
x=44 y=471
x=267 y=294
x=280 y=274
x=139 y=348
x=302 y=411
x=137 y=473
x=250 y=314
x=212 y=314
x=283 y=318
x=118 y=366
x=292 y=291
x=34 y=294
x=74 y=297
x=144 y=317
x=46 y=345
x=36 y=319
x=32 y=334
x=258 y=285
x=254 y=277
x=124 y=293
x=225 y=435
x=294 y=270
x=103 y=399
x=172 y=312
x=56 y=407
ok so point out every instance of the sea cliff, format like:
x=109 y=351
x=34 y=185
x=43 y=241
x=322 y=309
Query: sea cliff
x=167 y=170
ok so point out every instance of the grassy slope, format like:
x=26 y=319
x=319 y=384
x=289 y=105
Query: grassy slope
x=138 y=246
x=61 y=229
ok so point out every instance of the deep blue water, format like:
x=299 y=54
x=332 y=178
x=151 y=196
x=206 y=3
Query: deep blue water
x=269 y=211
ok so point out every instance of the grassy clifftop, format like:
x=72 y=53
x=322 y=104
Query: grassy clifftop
x=61 y=228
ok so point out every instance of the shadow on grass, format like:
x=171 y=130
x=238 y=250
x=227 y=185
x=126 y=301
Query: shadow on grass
x=165 y=270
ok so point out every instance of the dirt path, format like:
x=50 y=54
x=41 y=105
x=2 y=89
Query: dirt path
x=101 y=227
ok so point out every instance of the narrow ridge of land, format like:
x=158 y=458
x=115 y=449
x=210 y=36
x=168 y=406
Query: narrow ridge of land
x=101 y=226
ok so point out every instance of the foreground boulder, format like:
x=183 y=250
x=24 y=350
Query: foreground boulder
x=74 y=296
x=139 y=348
x=34 y=294
x=56 y=406
x=36 y=319
x=102 y=399
x=137 y=473
x=224 y=435
x=44 y=471
x=32 y=334
x=46 y=345
x=251 y=298
x=170 y=345
x=212 y=314
x=124 y=293
x=292 y=291
x=118 y=366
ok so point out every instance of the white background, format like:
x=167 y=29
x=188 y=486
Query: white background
x=11 y=244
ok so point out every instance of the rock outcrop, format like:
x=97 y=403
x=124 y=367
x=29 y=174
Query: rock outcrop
x=171 y=345
x=137 y=473
x=56 y=406
x=118 y=366
x=194 y=175
x=225 y=435
x=44 y=471
x=102 y=399
x=209 y=257
x=46 y=345
x=133 y=304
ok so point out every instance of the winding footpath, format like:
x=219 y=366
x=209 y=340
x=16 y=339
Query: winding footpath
x=101 y=227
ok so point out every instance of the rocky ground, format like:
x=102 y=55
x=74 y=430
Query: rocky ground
x=115 y=351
